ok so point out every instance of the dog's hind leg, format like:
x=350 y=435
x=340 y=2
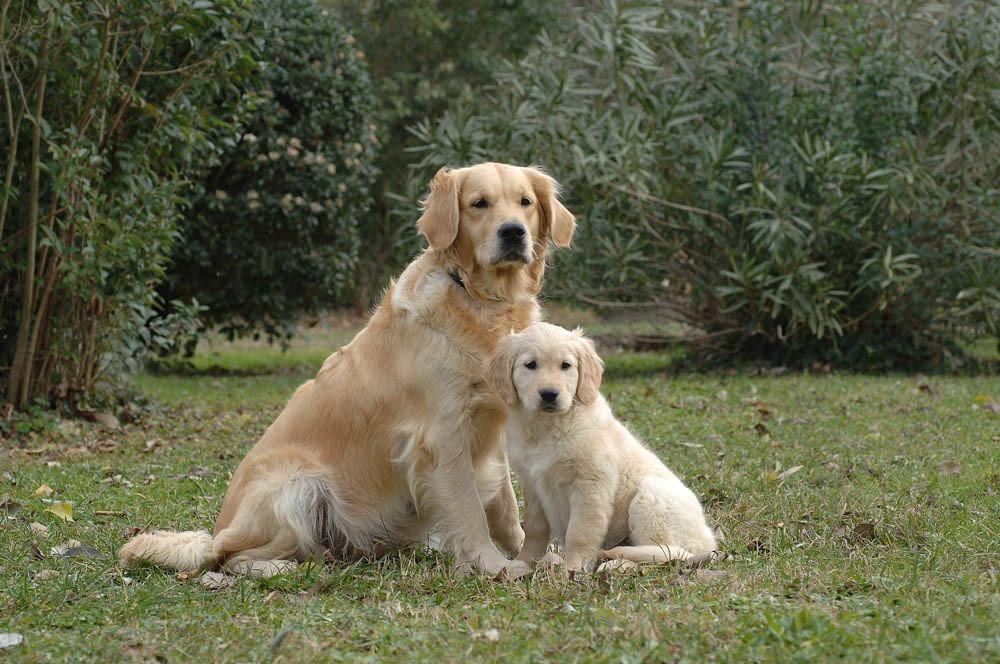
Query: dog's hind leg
x=666 y=523
x=284 y=516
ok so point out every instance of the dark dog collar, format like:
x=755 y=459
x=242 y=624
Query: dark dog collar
x=457 y=278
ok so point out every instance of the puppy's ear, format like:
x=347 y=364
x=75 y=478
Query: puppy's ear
x=439 y=222
x=591 y=370
x=500 y=372
x=560 y=221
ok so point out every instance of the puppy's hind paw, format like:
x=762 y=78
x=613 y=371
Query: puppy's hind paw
x=616 y=565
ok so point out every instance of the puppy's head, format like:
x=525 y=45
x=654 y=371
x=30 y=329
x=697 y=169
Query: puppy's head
x=494 y=215
x=546 y=369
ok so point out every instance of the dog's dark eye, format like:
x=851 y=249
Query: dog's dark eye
x=525 y=201
x=566 y=365
x=531 y=365
x=480 y=203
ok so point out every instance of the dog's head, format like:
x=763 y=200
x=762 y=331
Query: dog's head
x=546 y=368
x=493 y=218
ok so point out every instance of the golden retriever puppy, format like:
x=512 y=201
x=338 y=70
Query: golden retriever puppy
x=398 y=436
x=587 y=481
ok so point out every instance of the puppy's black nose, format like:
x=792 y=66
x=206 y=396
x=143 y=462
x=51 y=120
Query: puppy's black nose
x=512 y=231
x=548 y=395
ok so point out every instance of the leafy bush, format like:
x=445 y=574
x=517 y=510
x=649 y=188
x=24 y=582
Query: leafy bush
x=424 y=55
x=100 y=114
x=796 y=181
x=277 y=220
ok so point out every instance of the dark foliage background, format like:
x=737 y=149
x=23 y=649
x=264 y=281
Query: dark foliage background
x=102 y=108
x=276 y=223
x=790 y=182
x=794 y=181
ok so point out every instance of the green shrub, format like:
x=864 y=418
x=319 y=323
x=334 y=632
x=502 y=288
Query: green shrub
x=100 y=114
x=277 y=221
x=424 y=55
x=797 y=181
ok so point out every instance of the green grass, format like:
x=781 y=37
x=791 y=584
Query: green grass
x=884 y=546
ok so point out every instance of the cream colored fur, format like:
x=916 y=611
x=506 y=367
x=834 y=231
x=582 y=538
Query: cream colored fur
x=398 y=436
x=587 y=481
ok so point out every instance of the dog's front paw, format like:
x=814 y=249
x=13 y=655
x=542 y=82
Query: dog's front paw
x=512 y=541
x=497 y=567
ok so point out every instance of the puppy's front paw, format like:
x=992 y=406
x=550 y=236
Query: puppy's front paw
x=550 y=560
x=514 y=569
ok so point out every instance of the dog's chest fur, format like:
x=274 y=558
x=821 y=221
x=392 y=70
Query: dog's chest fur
x=427 y=296
x=547 y=458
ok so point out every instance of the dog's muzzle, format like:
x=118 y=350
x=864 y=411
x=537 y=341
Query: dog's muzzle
x=513 y=243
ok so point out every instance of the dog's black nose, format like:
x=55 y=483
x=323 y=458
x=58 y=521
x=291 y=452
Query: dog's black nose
x=548 y=395
x=512 y=231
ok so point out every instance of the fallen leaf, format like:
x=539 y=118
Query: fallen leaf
x=818 y=368
x=74 y=549
x=9 y=505
x=864 y=531
x=762 y=408
x=46 y=574
x=155 y=443
x=949 y=467
x=761 y=429
x=10 y=639
x=60 y=549
x=39 y=528
x=44 y=490
x=756 y=546
x=35 y=551
x=61 y=509
x=992 y=406
x=107 y=420
x=492 y=635
x=785 y=474
x=217 y=580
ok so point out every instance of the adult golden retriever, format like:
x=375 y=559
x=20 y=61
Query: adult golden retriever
x=399 y=434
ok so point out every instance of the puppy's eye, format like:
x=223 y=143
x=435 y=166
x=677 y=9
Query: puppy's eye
x=525 y=201
x=480 y=203
x=531 y=365
x=566 y=365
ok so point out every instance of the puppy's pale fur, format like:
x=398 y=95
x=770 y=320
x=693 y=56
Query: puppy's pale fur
x=587 y=481
x=399 y=434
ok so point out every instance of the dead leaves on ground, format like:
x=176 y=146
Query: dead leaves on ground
x=75 y=549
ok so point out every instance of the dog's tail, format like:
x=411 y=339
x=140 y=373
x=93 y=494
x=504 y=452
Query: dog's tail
x=192 y=549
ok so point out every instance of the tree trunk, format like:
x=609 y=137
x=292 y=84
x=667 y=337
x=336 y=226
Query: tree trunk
x=20 y=371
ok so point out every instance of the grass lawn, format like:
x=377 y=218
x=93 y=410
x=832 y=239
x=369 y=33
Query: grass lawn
x=862 y=515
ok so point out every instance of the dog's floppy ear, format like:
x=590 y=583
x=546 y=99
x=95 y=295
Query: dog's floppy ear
x=561 y=222
x=500 y=372
x=591 y=370
x=439 y=222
